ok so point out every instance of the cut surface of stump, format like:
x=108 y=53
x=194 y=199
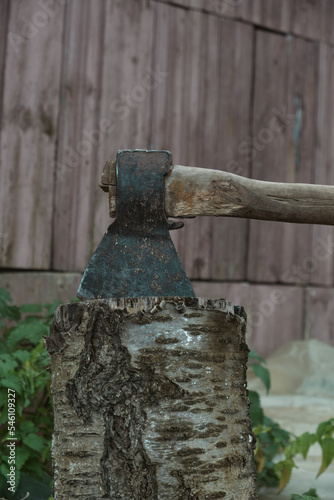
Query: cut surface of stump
x=150 y=400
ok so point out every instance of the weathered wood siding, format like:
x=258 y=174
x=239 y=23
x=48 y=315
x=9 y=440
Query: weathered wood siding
x=283 y=145
x=31 y=73
x=75 y=176
x=238 y=85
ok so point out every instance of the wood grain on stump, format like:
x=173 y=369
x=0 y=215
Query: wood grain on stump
x=150 y=401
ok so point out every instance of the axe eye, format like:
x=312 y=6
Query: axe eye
x=175 y=225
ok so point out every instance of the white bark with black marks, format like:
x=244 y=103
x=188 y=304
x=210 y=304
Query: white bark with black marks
x=150 y=401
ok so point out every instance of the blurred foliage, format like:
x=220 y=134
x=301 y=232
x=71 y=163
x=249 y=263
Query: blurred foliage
x=26 y=412
x=273 y=441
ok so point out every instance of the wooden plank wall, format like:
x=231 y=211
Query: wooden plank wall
x=283 y=148
x=243 y=86
x=28 y=134
x=125 y=103
x=80 y=90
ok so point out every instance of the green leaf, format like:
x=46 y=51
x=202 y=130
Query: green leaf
x=12 y=382
x=302 y=497
x=34 y=442
x=31 y=308
x=43 y=359
x=4 y=469
x=284 y=471
x=5 y=296
x=305 y=496
x=256 y=412
x=327 y=446
x=22 y=455
x=277 y=430
x=52 y=307
x=38 y=489
x=325 y=429
x=310 y=494
x=34 y=467
x=23 y=362
x=254 y=355
x=263 y=373
x=3 y=417
x=304 y=442
x=7 y=363
x=4 y=493
x=22 y=356
x=28 y=427
x=30 y=329
x=3 y=397
x=6 y=309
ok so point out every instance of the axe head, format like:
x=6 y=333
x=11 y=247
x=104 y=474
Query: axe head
x=136 y=257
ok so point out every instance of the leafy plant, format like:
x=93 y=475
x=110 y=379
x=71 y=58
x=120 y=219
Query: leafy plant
x=26 y=414
x=272 y=440
x=309 y=495
x=261 y=371
x=300 y=445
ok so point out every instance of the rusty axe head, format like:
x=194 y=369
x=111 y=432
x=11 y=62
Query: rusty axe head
x=136 y=257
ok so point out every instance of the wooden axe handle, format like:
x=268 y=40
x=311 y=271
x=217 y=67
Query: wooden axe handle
x=191 y=192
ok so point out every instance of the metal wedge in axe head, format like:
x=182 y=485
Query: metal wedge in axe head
x=137 y=258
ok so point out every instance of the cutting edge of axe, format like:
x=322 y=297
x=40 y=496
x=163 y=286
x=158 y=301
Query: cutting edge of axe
x=193 y=191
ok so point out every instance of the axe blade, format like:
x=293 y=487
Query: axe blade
x=136 y=257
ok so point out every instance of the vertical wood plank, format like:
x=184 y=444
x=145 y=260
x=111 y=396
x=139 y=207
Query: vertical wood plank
x=4 y=18
x=34 y=287
x=277 y=15
x=312 y=20
x=269 y=68
x=306 y=19
x=252 y=11
x=302 y=101
x=79 y=135
x=168 y=97
x=328 y=22
x=283 y=150
x=128 y=78
x=274 y=313
x=198 y=134
x=229 y=236
x=183 y=3
x=184 y=111
x=267 y=13
x=237 y=293
x=319 y=314
x=28 y=134
x=199 y=115
x=275 y=316
x=323 y=236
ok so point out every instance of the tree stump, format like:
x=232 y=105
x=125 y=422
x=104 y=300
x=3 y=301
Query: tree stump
x=150 y=400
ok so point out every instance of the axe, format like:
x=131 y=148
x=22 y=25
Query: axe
x=137 y=258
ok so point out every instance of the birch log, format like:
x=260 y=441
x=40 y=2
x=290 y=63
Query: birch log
x=150 y=401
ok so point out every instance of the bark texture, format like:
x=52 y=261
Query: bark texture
x=150 y=401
